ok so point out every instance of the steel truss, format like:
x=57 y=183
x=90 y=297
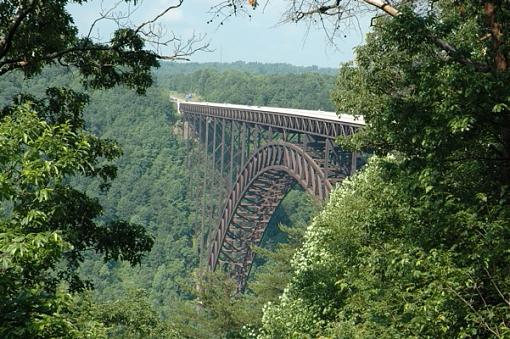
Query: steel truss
x=261 y=155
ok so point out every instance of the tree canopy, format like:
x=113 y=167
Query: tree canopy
x=416 y=245
x=151 y=188
x=46 y=224
x=35 y=34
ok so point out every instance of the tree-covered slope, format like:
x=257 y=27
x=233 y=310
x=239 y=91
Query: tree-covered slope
x=171 y=68
x=151 y=188
x=417 y=244
x=159 y=185
x=302 y=90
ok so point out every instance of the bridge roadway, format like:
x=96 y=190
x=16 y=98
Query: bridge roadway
x=320 y=123
x=262 y=152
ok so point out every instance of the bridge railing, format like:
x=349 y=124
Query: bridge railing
x=323 y=124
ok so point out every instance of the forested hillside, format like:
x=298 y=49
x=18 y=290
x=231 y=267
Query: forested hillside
x=158 y=185
x=169 y=69
x=306 y=91
x=105 y=209
x=416 y=245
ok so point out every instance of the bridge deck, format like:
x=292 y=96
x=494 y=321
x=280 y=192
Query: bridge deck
x=321 y=115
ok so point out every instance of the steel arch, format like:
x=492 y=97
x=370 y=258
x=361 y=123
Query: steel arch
x=261 y=185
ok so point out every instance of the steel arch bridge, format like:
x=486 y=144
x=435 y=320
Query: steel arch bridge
x=262 y=152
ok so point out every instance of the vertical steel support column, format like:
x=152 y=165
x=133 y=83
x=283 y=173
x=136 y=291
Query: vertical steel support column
x=189 y=130
x=231 y=171
x=214 y=147
x=248 y=141
x=243 y=143
x=239 y=150
x=326 y=157
x=203 y=244
x=257 y=137
x=305 y=142
x=188 y=143
x=212 y=176
x=206 y=137
x=194 y=124
x=200 y=129
x=222 y=146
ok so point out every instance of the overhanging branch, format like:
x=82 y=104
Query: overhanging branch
x=327 y=8
x=6 y=41
x=26 y=59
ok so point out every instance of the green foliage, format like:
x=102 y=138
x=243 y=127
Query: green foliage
x=416 y=245
x=131 y=316
x=44 y=220
x=305 y=91
x=373 y=265
x=151 y=188
x=445 y=117
x=169 y=70
x=38 y=34
x=218 y=311
x=46 y=224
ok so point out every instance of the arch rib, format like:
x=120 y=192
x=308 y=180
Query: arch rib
x=261 y=185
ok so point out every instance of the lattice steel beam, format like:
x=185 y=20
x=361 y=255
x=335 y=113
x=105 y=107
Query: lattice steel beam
x=287 y=149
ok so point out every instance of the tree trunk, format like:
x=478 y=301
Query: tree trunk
x=496 y=29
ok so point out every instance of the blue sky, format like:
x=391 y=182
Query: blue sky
x=262 y=38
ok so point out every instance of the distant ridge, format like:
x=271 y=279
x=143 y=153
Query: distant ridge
x=170 y=68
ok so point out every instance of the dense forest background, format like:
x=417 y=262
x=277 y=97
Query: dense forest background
x=415 y=244
x=160 y=182
x=305 y=91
